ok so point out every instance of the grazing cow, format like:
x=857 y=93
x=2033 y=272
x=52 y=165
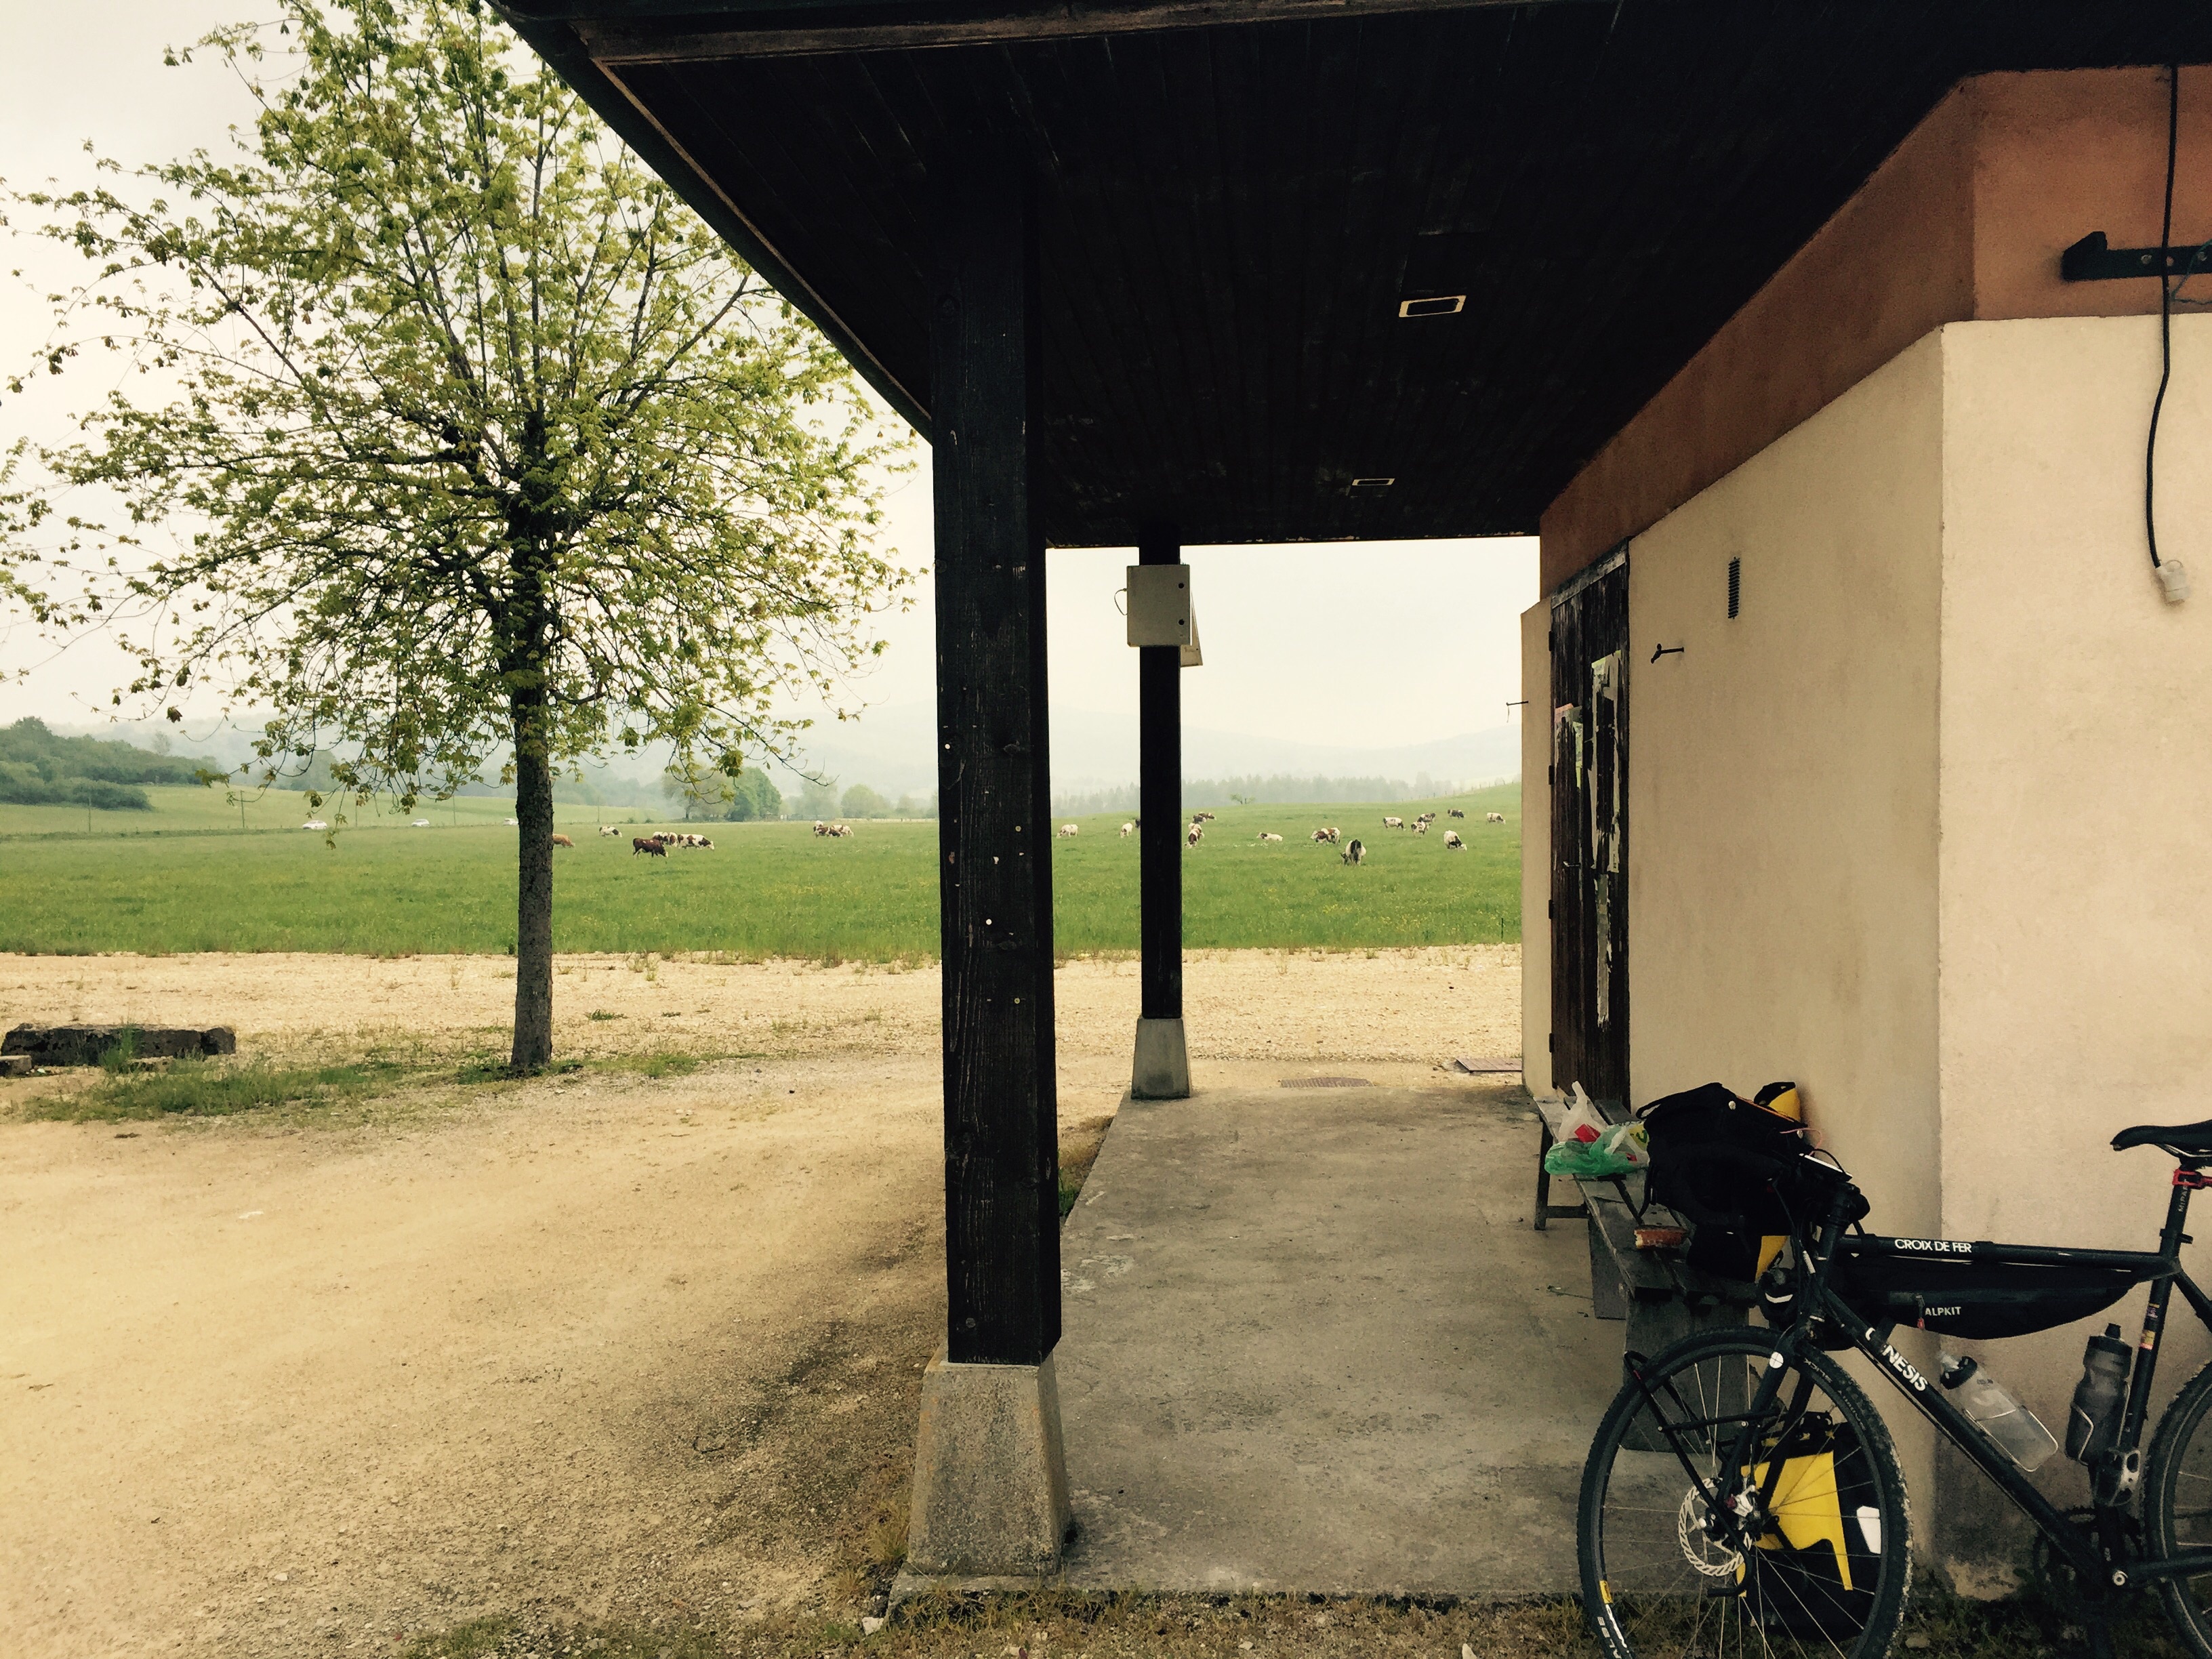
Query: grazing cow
x=1068 y=832
x=1264 y=836
x=1321 y=834
x=1129 y=830
x=512 y=822
x=1393 y=823
x=420 y=823
x=562 y=841
x=1453 y=812
x=840 y=829
x=314 y=823
x=1336 y=835
x=609 y=829
x=1420 y=826
x=1353 y=852
x=1453 y=843
x=1497 y=817
x=649 y=845
x=1197 y=835
x=1201 y=817
x=820 y=828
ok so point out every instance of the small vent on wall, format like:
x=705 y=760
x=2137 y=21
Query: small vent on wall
x=1735 y=587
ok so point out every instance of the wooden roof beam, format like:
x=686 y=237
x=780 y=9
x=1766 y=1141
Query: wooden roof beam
x=809 y=31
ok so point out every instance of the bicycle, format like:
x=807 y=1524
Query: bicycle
x=1742 y=1495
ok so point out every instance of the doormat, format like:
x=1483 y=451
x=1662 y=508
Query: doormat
x=1489 y=1068
x=1326 y=1083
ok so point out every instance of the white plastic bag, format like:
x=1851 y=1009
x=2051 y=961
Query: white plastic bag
x=1629 y=1142
x=1583 y=1122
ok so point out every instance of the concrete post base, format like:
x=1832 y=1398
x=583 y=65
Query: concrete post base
x=1161 y=1069
x=990 y=1478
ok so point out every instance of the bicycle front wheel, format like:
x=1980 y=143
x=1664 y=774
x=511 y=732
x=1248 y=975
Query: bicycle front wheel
x=1695 y=1538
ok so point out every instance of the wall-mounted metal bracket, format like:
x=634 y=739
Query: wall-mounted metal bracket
x=1659 y=651
x=2090 y=260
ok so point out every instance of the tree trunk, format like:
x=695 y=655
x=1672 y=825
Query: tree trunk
x=533 y=906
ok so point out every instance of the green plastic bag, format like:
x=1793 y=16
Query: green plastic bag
x=1622 y=1149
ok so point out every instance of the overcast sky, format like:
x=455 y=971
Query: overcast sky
x=1374 y=644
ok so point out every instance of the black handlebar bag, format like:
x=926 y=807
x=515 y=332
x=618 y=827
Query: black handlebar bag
x=1884 y=1285
x=1716 y=1161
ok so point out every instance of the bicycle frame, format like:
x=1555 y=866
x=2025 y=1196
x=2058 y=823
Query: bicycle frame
x=2100 y=1557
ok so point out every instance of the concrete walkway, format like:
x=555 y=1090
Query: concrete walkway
x=1312 y=1344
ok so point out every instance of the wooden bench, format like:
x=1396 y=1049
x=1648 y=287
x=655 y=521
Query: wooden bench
x=1661 y=1296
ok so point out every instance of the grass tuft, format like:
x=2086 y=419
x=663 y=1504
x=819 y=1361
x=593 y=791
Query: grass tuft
x=1078 y=1151
x=123 y=1055
x=662 y=1064
x=200 y=1088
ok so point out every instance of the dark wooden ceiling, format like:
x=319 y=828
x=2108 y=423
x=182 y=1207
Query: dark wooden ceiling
x=1234 y=198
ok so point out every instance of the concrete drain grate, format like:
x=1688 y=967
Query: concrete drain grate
x=1326 y=1083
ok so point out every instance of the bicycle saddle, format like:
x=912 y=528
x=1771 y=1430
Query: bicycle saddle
x=2182 y=1139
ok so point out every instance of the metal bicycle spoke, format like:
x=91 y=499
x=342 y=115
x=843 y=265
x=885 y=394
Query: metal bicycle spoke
x=1759 y=1530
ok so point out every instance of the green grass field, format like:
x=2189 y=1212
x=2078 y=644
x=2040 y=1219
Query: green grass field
x=185 y=877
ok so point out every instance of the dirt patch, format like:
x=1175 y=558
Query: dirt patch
x=604 y=1351
x=1411 y=1006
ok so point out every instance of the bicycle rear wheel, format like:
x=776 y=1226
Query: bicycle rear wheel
x=1687 y=1549
x=2177 y=1505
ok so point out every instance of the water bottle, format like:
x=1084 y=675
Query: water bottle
x=2100 y=1398
x=2003 y=1418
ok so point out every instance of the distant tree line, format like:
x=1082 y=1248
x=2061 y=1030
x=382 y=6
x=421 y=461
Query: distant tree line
x=1278 y=789
x=39 y=769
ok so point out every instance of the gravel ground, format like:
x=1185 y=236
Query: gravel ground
x=1414 y=1007
x=596 y=1350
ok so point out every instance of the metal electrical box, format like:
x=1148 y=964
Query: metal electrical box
x=1160 y=605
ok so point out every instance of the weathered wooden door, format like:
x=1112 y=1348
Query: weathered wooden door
x=1589 y=831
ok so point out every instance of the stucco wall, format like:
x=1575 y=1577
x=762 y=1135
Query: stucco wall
x=1537 y=847
x=1782 y=783
x=2076 y=799
x=1782 y=839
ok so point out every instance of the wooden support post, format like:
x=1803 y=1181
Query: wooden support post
x=990 y=1477
x=1162 y=1067
x=1159 y=794
x=1001 y=1176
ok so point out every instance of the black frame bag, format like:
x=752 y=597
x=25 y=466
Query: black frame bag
x=1980 y=1299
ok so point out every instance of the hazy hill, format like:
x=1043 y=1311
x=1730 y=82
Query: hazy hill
x=1094 y=753
x=892 y=750
x=38 y=767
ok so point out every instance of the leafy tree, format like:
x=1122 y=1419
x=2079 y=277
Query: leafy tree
x=817 y=800
x=481 y=444
x=702 y=789
x=753 y=798
x=862 y=802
